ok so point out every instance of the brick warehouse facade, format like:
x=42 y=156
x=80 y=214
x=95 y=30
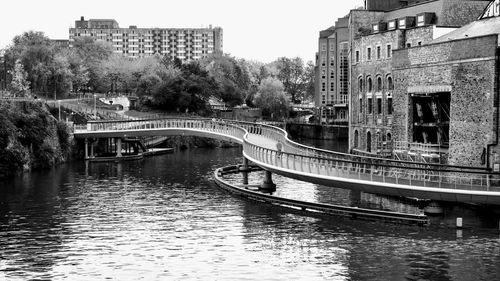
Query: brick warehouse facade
x=374 y=100
x=335 y=44
x=466 y=71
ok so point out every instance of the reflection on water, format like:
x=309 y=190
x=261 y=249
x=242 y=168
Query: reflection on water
x=163 y=219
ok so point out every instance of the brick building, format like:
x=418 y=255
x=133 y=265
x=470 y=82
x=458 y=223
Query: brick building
x=186 y=44
x=446 y=93
x=376 y=36
x=332 y=73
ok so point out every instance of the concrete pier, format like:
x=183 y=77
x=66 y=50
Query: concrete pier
x=268 y=184
x=244 y=169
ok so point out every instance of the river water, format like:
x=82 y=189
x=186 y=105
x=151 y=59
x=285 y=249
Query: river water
x=163 y=218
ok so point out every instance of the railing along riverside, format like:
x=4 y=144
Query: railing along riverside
x=168 y=123
x=367 y=171
x=314 y=161
x=278 y=134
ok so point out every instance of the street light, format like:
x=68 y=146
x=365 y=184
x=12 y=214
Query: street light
x=95 y=109
x=59 y=104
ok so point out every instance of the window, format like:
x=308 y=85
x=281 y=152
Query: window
x=323 y=74
x=390 y=85
x=370 y=85
x=402 y=23
x=332 y=86
x=332 y=61
x=360 y=85
x=343 y=74
x=357 y=56
x=332 y=74
x=323 y=61
x=378 y=52
x=379 y=84
x=408 y=45
x=379 y=106
x=389 y=106
x=370 y=106
x=323 y=47
x=420 y=20
x=419 y=43
x=356 y=138
x=389 y=51
x=361 y=105
x=369 y=53
x=323 y=86
x=392 y=25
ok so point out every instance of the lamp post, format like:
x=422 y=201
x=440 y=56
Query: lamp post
x=95 y=109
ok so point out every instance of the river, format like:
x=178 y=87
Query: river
x=163 y=218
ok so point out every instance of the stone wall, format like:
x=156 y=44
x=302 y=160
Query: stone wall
x=312 y=131
x=466 y=67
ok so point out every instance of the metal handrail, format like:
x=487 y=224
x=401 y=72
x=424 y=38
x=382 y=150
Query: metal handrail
x=314 y=161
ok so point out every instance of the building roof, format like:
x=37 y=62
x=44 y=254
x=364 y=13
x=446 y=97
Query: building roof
x=474 y=29
x=449 y=13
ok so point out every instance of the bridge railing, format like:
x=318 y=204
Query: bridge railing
x=278 y=134
x=306 y=159
x=223 y=128
x=364 y=170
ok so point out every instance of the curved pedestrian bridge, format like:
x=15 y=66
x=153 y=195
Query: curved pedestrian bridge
x=367 y=174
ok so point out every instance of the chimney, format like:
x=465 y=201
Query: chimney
x=82 y=18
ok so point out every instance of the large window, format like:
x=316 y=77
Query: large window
x=344 y=69
x=379 y=105
x=370 y=84
x=369 y=53
x=370 y=106
x=389 y=106
x=431 y=118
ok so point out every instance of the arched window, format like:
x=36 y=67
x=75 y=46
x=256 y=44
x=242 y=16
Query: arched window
x=370 y=85
x=356 y=139
x=390 y=84
x=379 y=84
x=389 y=136
x=360 y=85
x=369 y=142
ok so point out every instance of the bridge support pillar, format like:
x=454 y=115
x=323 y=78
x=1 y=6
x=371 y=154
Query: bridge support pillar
x=92 y=149
x=268 y=184
x=244 y=169
x=86 y=148
x=118 y=147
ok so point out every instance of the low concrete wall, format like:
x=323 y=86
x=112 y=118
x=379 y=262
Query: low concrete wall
x=314 y=131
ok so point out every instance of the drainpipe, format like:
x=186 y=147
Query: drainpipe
x=496 y=108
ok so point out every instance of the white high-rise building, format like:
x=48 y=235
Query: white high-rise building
x=186 y=44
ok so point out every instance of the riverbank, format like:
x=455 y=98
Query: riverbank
x=30 y=138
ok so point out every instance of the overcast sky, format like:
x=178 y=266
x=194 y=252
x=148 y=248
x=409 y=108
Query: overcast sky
x=256 y=30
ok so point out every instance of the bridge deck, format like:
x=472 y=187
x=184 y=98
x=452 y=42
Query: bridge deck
x=373 y=175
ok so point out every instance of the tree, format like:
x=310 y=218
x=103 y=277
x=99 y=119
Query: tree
x=309 y=80
x=271 y=98
x=92 y=54
x=231 y=75
x=19 y=86
x=291 y=74
x=36 y=53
